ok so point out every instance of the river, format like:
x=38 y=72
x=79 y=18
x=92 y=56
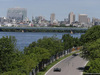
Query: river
x=24 y=39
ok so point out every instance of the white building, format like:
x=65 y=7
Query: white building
x=71 y=17
x=83 y=18
x=19 y=14
x=52 y=18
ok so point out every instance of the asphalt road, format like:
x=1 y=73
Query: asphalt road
x=72 y=65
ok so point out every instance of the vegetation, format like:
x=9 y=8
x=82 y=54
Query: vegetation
x=14 y=62
x=94 y=66
x=91 y=48
x=70 y=42
x=52 y=64
x=91 y=34
x=52 y=44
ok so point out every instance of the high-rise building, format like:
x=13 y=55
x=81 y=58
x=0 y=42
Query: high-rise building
x=52 y=18
x=88 y=20
x=71 y=17
x=83 y=19
x=19 y=14
x=95 y=21
x=2 y=20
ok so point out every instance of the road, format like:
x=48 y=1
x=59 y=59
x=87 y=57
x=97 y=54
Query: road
x=72 y=65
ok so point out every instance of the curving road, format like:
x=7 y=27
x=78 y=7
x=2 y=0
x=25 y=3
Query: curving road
x=72 y=65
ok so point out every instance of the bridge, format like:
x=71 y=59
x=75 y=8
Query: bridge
x=45 y=28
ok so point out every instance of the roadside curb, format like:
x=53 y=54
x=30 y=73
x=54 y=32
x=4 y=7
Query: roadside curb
x=57 y=63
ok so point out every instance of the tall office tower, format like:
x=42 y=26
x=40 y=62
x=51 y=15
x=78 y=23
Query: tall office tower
x=19 y=14
x=52 y=18
x=71 y=17
x=83 y=19
x=33 y=20
x=88 y=20
x=95 y=21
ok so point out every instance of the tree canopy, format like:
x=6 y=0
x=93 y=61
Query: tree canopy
x=14 y=62
x=69 y=41
x=91 y=48
x=7 y=52
x=91 y=34
x=52 y=44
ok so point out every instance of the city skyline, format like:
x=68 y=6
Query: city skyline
x=60 y=8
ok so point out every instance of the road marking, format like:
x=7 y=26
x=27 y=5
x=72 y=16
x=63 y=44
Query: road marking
x=84 y=65
x=58 y=63
x=55 y=65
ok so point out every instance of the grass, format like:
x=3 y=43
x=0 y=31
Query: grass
x=52 y=64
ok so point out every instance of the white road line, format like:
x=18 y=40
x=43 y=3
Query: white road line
x=55 y=65
x=84 y=66
x=58 y=63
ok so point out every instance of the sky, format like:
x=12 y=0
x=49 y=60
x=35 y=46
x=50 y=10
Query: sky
x=61 y=8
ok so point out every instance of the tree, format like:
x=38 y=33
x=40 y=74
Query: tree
x=26 y=63
x=91 y=50
x=92 y=34
x=52 y=44
x=40 y=53
x=76 y=42
x=94 y=66
x=68 y=41
x=7 y=52
x=44 y=49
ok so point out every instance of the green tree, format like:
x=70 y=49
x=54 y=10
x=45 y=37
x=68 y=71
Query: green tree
x=94 y=66
x=76 y=42
x=92 y=34
x=91 y=50
x=68 y=41
x=52 y=44
x=7 y=52
x=44 y=49
x=26 y=64
x=40 y=53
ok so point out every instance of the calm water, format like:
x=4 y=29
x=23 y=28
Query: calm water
x=24 y=39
